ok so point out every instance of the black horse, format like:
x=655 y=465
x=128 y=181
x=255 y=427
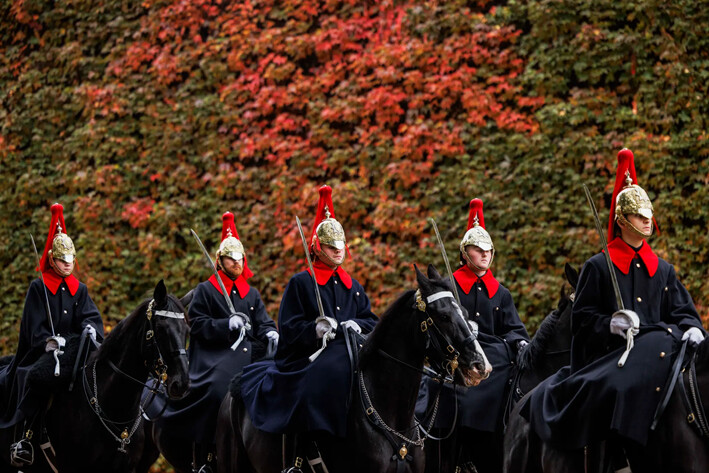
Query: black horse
x=98 y=425
x=678 y=444
x=382 y=433
x=548 y=351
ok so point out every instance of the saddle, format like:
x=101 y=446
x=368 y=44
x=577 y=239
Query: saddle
x=41 y=375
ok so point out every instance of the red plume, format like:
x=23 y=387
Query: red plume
x=57 y=217
x=476 y=210
x=626 y=163
x=324 y=200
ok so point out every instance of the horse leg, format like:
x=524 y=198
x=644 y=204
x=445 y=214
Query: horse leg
x=150 y=450
x=520 y=453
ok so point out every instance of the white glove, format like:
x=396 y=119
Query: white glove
x=272 y=335
x=92 y=331
x=324 y=325
x=521 y=344
x=623 y=320
x=55 y=343
x=351 y=324
x=694 y=335
x=236 y=322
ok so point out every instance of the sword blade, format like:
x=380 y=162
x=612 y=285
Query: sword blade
x=604 y=242
x=310 y=265
x=445 y=259
x=46 y=296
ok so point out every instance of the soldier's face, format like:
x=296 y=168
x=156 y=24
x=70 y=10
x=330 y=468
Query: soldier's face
x=62 y=267
x=233 y=268
x=643 y=224
x=336 y=256
x=480 y=258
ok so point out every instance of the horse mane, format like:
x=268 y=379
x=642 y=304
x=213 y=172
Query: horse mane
x=399 y=307
x=116 y=339
x=545 y=334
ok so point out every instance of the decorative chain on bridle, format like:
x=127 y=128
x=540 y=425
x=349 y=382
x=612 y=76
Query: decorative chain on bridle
x=157 y=370
x=451 y=366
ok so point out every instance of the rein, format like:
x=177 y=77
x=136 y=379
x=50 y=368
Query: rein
x=157 y=370
x=693 y=402
x=451 y=364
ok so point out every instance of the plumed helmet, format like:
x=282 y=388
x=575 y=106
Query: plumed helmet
x=58 y=245
x=231 y=245
x=476 y=234
x=628 y=197
x=327 y=230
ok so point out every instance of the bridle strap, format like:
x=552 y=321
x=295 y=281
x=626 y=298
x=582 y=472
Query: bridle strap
x=169 y=314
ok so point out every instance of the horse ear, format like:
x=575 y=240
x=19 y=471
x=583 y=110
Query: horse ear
x=433 y=273
x=420 y=277
x=571 y=275
x=187 y=298
x=160 y=293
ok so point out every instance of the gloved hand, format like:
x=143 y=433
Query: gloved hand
x=521 y=344
x=622 y=320
x=694 y=335
x=351 y=324
x=236 y=322
x=272 y=335
x=324 y=325
x=92 y=331
x=55 y=343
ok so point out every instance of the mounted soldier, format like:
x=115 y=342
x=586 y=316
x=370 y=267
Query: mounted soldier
x=501 y=334
x=223 y=336
x=610 y=393
x=57 y=305
x=306 y=389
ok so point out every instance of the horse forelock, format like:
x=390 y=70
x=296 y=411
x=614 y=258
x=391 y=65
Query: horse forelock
x=117 y=337
x=402 y=306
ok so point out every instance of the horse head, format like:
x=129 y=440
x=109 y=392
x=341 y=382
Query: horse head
x=452 y=336
x=165 y=336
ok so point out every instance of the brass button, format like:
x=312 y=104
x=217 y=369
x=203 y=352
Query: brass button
x=245 y=349
x=662 y=354
x=252 y=308
x=480 y=288
x=335 y=281
x=65 y=311
x=338 y=308
x=358 y=293
x=669 y=329
x=63 y=289
x=477 y=314
x=640 y=299
x=637 y=264
x=665 y=288
x=658 y=389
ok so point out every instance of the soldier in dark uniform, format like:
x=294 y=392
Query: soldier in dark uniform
x=220 y=344
x=306 y=388
x=594 y=399
x=501 y=334
x=71 y=311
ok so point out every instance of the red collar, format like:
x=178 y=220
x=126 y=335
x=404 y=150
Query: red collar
x=466 y=278
x=622 y=256
x=241 y=285
x=52 y=280
x=323 y=273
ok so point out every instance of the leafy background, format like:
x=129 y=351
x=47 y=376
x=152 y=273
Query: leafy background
x=146 y=119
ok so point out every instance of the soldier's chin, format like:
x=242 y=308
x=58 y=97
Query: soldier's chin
x=468 y=376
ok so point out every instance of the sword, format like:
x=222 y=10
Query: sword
x=46 y=296
x=611 y=270
x=330 y=335
x=247 y=325
x=445 y=259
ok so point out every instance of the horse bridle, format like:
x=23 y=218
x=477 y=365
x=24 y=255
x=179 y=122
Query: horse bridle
x=157 y=370
x=158 y=367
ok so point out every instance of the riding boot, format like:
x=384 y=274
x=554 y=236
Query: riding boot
x=22 y=451
x=291 y=454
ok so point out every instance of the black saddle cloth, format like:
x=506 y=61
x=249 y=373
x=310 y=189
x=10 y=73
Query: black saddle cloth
x=41 y=375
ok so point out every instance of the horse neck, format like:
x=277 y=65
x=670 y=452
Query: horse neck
x=120 y=392
x=392 y=385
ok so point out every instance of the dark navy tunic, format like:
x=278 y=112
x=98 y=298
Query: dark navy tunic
x=72 y=309
x=212 y=361
x=582 y=403
x=489 y=304
x=291 y=394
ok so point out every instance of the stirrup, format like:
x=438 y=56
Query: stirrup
x=22 y=453
x=205 y=469
x=296 y=466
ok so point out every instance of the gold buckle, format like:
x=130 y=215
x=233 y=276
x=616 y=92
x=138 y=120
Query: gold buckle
x=424 y=327
x=690 y=417
x=298 y=462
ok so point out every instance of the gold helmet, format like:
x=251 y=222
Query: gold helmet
x=59 y=245
x=476 y=234
x=628 y=197
x=231 y=245
x=327 y=230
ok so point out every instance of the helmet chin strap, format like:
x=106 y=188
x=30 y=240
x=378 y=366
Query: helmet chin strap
x=56 y=269
x=327 y=260
x=631 y=227
x=475 y=266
